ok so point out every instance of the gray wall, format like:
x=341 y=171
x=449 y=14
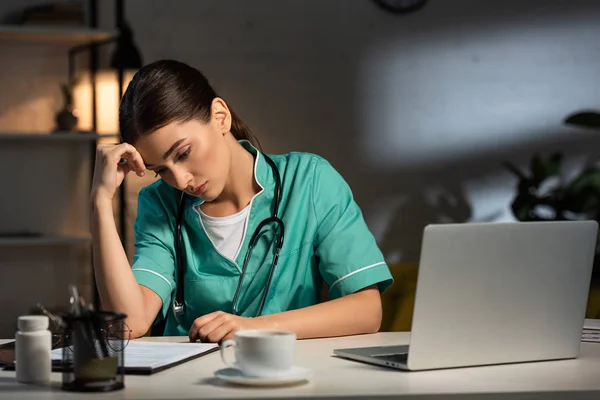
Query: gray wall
x=417 y=112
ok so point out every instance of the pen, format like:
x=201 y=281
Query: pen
x=74 y=300
x=53 y=317
x=82 y=321
x=94 y=320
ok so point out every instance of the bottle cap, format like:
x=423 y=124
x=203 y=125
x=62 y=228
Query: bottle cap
x=30 y=323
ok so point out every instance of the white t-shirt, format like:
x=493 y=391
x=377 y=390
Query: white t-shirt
x=226 y=233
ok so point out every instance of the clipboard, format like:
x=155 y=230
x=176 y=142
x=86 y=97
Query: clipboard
x=140 y=357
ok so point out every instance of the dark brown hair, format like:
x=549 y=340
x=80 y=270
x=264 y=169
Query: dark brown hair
x=169 y=91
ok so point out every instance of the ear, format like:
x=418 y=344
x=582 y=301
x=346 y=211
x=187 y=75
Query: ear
x=220 y=115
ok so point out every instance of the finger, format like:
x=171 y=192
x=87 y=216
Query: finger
x=207 y=331
x=116 y=152
x=105 y=156
x=103 y=150
x=193 y=333
x=201 y=332
x=199 y=323
x=127 y=163
x=128 y=154
x=106 y=147
x=203 y=320
x=140 y=167
x=126 y=169
x=230 y=335
x=221 y=333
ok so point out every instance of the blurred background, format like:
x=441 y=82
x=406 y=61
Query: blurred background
x=432 y=112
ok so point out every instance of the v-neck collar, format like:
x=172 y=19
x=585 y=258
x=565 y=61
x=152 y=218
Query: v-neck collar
x=261 y=205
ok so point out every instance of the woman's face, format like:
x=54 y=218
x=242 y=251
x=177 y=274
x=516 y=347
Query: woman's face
x=191 y=156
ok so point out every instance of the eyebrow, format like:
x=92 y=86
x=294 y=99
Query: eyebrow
x=168 y=153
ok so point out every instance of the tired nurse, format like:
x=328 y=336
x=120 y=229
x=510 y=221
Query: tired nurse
x=228 y=238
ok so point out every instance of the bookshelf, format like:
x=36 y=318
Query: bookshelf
x=54 y=35
x=55 y=137
x=45 y=241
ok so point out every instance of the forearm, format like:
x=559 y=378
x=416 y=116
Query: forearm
x=349 y=315
x=117 y=286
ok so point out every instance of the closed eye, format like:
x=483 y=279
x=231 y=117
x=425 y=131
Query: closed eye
x=183 y=155
x=179 y=157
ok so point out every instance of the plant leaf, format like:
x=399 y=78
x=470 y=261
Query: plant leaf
x=554 y=164
x=514 y=169
x=544 y=168
x=584 y=119
x=588 y=180
x=538 y=169
x=522 y=206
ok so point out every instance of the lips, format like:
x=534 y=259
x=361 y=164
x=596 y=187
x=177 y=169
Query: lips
x=198 y=190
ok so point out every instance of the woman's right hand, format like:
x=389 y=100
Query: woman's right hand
x=113 y=162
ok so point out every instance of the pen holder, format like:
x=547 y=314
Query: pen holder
x=92 y=355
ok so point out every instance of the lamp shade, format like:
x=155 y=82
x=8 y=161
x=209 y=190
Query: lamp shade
x=107 y=100
x=126 y=55
x=127 y=58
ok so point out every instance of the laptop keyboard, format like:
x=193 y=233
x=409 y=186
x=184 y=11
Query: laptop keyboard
x=399 y=358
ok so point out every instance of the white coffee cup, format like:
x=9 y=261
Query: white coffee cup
x=261 y=352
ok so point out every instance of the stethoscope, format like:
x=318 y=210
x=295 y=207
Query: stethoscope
x=178 y=303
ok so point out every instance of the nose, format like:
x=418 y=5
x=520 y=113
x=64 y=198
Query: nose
x=182 y=179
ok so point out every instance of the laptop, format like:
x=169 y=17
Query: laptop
x=495 y=293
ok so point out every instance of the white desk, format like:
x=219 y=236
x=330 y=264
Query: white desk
x=335 y=377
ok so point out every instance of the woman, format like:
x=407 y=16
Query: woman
x=173 y=123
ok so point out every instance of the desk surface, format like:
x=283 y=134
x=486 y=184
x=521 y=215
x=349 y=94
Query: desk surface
x=333 y=377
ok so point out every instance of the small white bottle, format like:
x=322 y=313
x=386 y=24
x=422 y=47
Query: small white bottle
x=33 y=346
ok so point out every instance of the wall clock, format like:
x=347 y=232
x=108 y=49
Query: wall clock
x=401 y=6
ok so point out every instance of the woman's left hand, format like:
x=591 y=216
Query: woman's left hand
x=218 y=326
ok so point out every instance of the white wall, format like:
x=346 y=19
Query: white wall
x=416 y=111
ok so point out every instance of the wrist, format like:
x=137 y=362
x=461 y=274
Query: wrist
x=100 y=202
x=268 y=322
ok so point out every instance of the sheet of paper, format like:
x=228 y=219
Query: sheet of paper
x=144 y=354
x=590 y=335
x=591 y=324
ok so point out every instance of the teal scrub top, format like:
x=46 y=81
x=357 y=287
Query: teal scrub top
x=326 y=239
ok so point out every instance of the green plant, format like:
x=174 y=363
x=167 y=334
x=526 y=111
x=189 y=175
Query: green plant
x=67 y=95
x=67 y=92
x=66 y=118
x=544 y=194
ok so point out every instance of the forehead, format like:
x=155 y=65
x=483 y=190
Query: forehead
x=153 y=147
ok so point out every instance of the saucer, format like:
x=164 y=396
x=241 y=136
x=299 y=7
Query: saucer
x=294 y=375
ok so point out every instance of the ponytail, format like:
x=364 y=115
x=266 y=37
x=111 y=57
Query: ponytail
x=241 y=131
x=166 y=91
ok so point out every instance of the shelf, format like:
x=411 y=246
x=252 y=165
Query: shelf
x=59 y=136
x=43 y=240
x=54 y=34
